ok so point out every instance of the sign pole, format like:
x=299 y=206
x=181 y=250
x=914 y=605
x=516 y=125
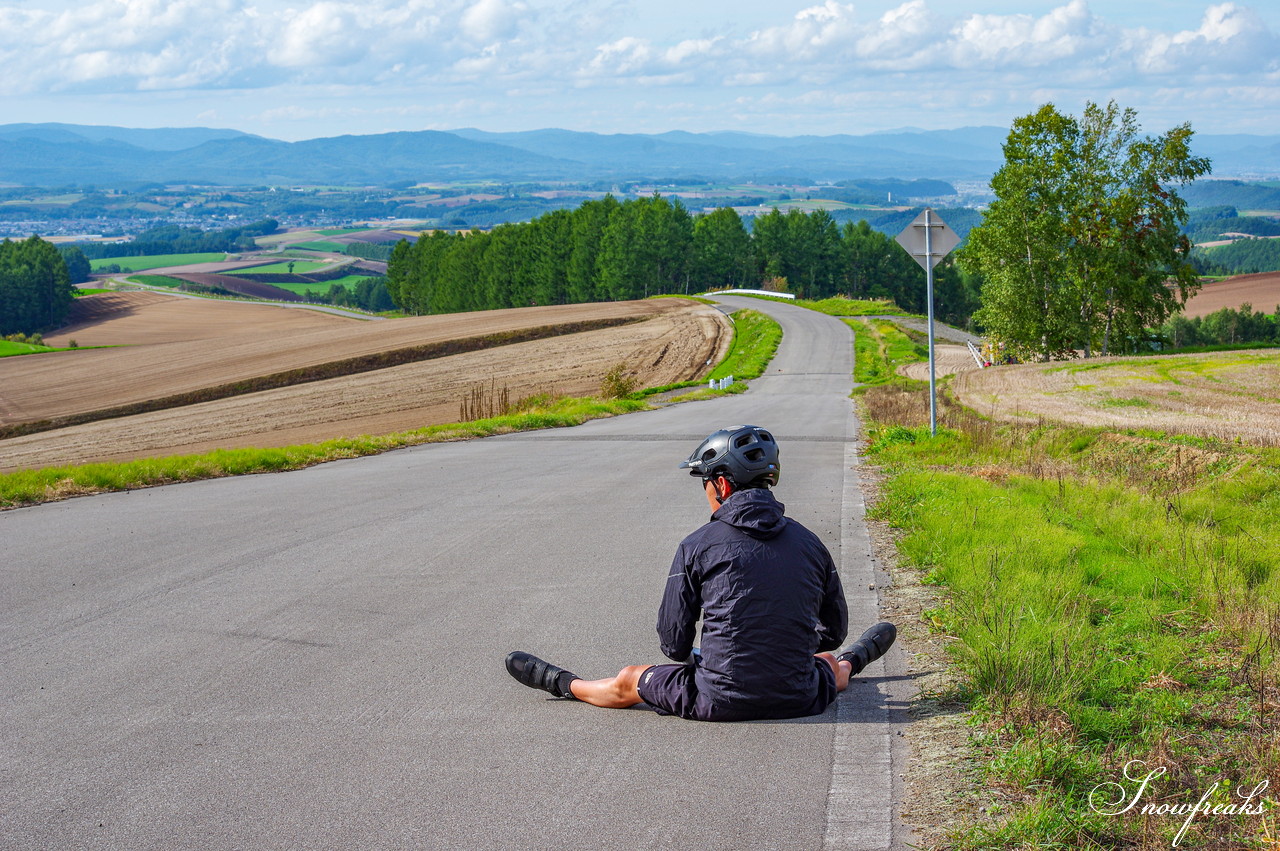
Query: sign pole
x=928 y=269
x=928 y=240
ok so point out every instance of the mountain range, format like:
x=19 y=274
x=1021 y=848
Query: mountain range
x=79 y=155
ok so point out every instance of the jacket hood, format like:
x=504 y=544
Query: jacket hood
x=754 y=511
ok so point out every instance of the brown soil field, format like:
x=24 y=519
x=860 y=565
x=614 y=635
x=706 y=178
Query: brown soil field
x=673 y=342
x=240 y=285
x=140 y=318
x=63 y=383
x=948 y=359
x=1221 y=395
x=1262 y=291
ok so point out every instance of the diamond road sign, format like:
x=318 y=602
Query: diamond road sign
x=942 y=239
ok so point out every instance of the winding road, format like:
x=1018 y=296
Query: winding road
x=314 y=659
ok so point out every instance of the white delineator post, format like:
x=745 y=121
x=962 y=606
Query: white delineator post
x=928 y=240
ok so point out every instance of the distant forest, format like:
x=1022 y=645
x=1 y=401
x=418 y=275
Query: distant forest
x=172 y=239
x=610 y=250
x=1242 y=257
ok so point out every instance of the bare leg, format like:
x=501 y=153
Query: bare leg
x=843 y=670
x=615 y=692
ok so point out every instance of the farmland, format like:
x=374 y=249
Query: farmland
x=1261 y=291
x=1221 y=395
x=155 y=261
x=181 y=348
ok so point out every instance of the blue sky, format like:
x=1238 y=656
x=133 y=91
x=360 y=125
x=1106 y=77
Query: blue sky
x=297 y=69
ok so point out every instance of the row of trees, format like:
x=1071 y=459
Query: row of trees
x=35 y=289
x=1223 y=328
x=608 y=250
x=1083 y=246
x=367 y=294
x=175 y=239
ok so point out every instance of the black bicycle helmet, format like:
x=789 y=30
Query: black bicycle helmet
x=746 y=455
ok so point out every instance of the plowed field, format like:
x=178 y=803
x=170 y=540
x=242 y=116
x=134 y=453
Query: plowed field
x=1262 y=291
x=673 y=342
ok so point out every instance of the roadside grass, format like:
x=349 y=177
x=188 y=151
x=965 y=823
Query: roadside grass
x=755 y=341
x=880 y=347
x=155 y=261
x=1111 y=597
x=28 y=487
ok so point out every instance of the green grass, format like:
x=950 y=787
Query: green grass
x=28 y=487
x=1108 y=598
x=10 y=349
x=880 y=347
x=83 y=291
x=156 y=280
x=322 y=287
x=156 y=261
x=300 y=267
x=755 y=341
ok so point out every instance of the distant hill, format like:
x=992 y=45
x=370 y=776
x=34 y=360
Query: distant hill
x=69 y=154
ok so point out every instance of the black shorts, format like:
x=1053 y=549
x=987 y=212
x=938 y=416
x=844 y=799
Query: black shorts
x=672 y=690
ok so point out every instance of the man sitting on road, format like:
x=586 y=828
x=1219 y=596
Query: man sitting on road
x=769 y=597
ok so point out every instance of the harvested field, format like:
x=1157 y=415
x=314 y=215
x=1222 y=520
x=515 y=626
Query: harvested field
x=54 y=385
x=948 y=359
x=1262 y=291
x=1220 y=395
x=673 y=343
x=141 y=318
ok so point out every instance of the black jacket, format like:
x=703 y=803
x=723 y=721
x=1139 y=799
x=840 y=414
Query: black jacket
x=769 y=597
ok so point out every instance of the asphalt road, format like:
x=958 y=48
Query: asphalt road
x=315 y=659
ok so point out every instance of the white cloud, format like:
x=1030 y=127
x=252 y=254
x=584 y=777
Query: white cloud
x=806 y=55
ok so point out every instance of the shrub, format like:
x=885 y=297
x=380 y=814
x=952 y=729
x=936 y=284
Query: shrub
x=617 y=383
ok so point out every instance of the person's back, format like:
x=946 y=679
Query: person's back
x=770 y=599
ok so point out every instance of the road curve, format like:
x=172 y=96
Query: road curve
x=314 y=659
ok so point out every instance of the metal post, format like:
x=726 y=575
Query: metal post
x=928 y=268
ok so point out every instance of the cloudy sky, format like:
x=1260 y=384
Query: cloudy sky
x=297 y=69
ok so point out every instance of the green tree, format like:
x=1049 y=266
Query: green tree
x=78 y=267
x=1083 y=244
x=35 y=288
x=721 y=253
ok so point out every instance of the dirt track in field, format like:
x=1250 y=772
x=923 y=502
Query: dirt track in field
x=1261 y=291
x=672 y=343
x=947 y=360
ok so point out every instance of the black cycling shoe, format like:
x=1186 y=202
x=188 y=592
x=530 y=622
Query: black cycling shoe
x=536 y=673
x=871 y=646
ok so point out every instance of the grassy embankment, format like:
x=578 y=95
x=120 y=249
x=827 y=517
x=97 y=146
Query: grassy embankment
x=1114 y=596
x=755 y=340
x=155 y=261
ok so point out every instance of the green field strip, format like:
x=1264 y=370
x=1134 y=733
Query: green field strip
x=155 y=261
